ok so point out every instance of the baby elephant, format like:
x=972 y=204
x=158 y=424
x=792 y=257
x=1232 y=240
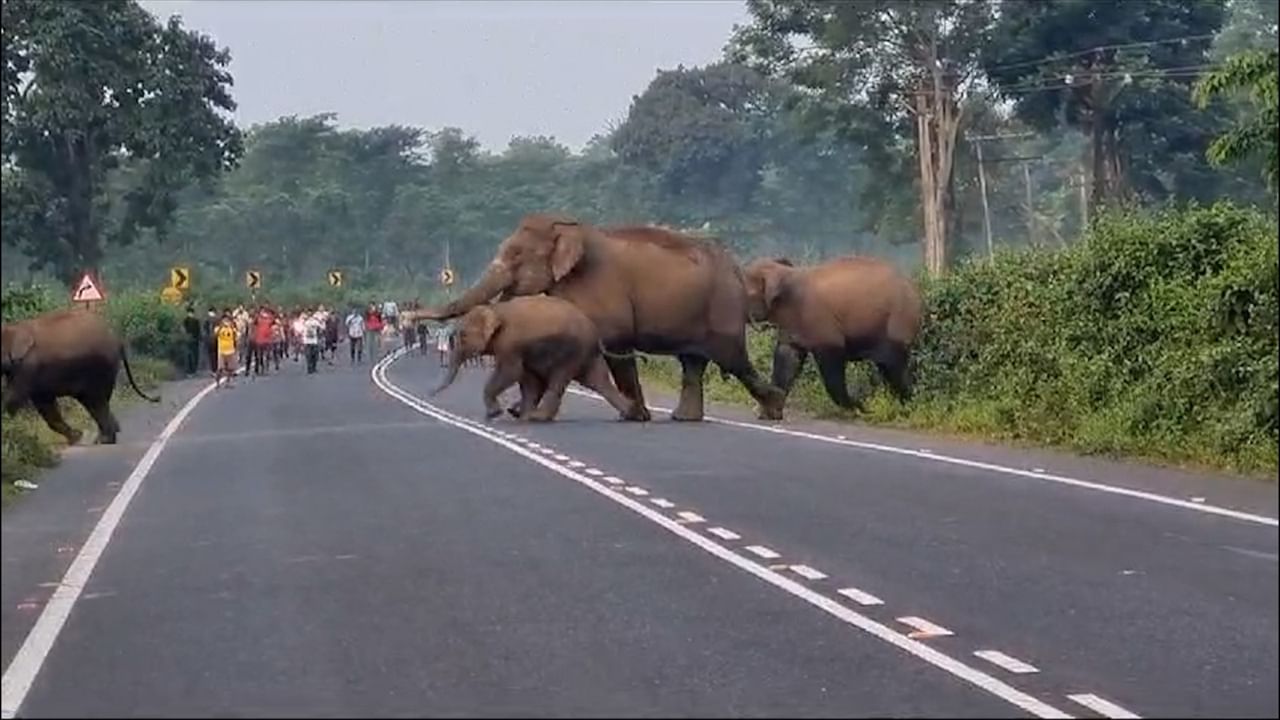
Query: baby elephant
x=541 y=342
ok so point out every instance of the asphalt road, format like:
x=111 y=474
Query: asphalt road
x=334 y=545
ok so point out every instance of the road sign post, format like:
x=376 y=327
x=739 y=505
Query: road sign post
x=253 y=279
x=88 y=290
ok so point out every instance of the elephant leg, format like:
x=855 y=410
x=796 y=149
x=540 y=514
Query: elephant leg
x=894 y=363
x=531 y=390
x=693 y=368
x=627 y=379
x=730 y=353
x=788 y=362
x=549 y=406
x=100 y=410
x=505 y=374
x=831 y=367
x=47 y=406
x=596 y=377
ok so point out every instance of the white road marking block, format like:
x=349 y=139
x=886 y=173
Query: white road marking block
x=1105 y=708
x=612 y=480
x=724 y=533
x=577 y=464
x=860 y=597
x=638 y=491
x=663 y=503
x=763 y=552
x=808 y=573
x=546 y=451
x=991 y=467
x=977 y=678
x=594 y=471
x=923 y=628
x=26 y=663
x=690 y=517
x=561 y=458
x=1012 y=664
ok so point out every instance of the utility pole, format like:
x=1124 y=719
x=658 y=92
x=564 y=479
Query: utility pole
x=1031 y=217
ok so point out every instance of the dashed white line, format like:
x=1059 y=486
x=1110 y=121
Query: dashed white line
x=594 y=471
x=690 y=517
x=1105 y=708
x=560 y=457
x=1012 y=664
x=577 y=464
x=637 y=491
x=977 y=678
x=808 y=573
x=860 y=597
x=763 y=552
x=724 y=533
x=663 y=503
x=923 y=628
x=546 y=451
x=991 y=467
x=613 y=480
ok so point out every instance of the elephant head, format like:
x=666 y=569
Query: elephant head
x=475 y=336
x=767 y=282
x=541 y=252
x=16 y=341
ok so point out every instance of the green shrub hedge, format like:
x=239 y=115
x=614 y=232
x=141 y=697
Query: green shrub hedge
x=1154 y=336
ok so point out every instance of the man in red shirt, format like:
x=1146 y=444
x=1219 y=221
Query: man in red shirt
x=263 y=338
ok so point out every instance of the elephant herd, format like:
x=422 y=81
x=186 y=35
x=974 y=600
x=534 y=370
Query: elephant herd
x=576 y=302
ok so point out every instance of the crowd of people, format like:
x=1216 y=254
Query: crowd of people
x=255 y=341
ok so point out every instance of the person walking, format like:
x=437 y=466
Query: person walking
x=373 y=331
x=355 y=335
x=191 y=325
x=391 y=314
x=444 y=339
x=311 y=329
x=261 y=340
x=226 y=334
x=209 y=331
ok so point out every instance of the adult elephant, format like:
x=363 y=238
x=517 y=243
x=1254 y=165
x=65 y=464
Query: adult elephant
x=844 y=309
x=646 y=288
x=64 y=353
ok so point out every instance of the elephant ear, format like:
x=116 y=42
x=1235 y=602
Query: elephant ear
x=568 y=249
x=488 y=324
x=776 y=287
x=17 y=344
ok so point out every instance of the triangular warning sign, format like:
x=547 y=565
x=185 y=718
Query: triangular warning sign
x=87 y=290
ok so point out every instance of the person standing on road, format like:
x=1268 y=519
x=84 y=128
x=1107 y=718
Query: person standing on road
x=191 y=325
x=444 y=339
x=209 y=331
x=355 y=335
x=311 y=329
x=261 y=340
x=391 y=314
x=226 y=335
x=372 y=331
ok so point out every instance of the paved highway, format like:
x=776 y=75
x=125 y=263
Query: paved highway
x=337 y=545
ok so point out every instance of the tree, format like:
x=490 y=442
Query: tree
x=899 y=62
x=90 y=87
x=1120 y=72
x=1257 y=74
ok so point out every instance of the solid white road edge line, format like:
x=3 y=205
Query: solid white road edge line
x=942 y=661
x=991 y=467
x=27 y=662
x=1105 y=708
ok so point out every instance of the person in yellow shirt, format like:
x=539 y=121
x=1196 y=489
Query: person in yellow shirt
x=226 y=335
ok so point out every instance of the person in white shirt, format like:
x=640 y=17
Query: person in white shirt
x=391 y=314
x=311 y=328
x=355 y=335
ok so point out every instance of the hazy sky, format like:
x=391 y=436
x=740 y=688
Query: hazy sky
x=495 y=69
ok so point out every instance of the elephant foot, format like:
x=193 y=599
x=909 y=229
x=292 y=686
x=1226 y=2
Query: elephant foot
x=514 y=411
x=770 y=407
x=73 y=436
x=635 y=413
x=686 y=416
x=105 y=440
x=540 y=417
x=491 y=413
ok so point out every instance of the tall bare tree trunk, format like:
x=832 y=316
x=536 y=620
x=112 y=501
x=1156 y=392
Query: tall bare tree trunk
x=937 y=128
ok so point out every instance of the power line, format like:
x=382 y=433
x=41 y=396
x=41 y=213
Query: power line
x=1121 y=46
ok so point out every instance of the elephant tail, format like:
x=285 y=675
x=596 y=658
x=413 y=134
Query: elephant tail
x=629 y=355
x=128 y=371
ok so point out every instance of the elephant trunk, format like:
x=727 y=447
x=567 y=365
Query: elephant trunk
x=495 y=280
x=456 y=358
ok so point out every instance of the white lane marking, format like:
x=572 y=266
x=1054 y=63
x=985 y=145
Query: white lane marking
x=577 y=464
x=663 y=503
x=594 y=471
x=990 y=467
x=923 y=628
x=26 y=663
x=763 y=552
x=942 y=661
x=860 y=597
x=1008 y=662
x=546 y=451
x=690 y=517
x=534 y=445
x=808 y=573
x=637 y=491
x=560 y=457
x=612 y=480
x=1105 y=708
x=724 y=533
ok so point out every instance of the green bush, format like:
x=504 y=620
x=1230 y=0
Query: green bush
x=1155 y=336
